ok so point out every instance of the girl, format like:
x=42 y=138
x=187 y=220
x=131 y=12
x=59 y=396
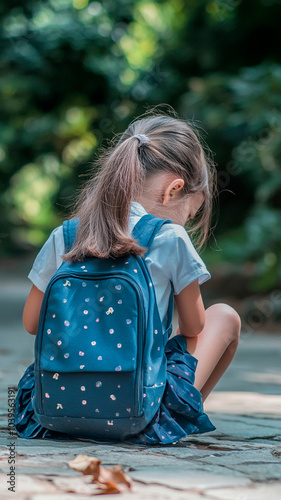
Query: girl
x=158 y=166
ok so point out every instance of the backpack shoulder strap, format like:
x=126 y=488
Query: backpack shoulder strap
x=69 y=232
x=147 y=227
x=144 y=231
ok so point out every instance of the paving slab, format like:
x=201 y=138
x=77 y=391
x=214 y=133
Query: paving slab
x=255 y=492
x=240 y=460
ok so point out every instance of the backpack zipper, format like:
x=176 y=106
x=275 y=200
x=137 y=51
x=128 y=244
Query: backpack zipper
x=141 y=324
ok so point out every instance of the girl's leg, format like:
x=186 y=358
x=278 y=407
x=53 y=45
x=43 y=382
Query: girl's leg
x=215 y=346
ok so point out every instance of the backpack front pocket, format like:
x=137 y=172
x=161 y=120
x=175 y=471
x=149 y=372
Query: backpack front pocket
x=89 y=395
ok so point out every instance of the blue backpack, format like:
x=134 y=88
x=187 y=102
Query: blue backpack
x=100 y=363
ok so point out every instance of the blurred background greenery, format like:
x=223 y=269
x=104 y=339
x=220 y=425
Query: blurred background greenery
x=74 y=72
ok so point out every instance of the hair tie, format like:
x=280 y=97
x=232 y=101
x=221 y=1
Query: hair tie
x=143 y=139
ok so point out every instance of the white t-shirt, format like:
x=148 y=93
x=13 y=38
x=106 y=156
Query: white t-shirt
x=171 y=258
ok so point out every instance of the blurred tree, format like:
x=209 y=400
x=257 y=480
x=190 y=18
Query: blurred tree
x=69 y=79
x=56 y=65
x=75 y=72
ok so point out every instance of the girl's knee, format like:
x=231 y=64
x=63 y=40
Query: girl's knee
x=229 y=316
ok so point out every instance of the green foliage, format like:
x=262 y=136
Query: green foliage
x=73 y=73
x=69 y=79
x=243 y=111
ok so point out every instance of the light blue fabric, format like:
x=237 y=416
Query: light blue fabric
x=171 y=258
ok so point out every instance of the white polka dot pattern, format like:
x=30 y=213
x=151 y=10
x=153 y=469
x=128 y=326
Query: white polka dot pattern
x=98 y=323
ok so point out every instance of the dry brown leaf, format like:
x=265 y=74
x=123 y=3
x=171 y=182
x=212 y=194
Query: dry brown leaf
x=111 y=480
x=115 y=476
x=86 y=465
x=108 y=488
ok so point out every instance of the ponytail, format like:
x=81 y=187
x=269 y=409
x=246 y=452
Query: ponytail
x=103 y=207
x=150 y=146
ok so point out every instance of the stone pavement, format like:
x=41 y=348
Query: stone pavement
x=240 y=460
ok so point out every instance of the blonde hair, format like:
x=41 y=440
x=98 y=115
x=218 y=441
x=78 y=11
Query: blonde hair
x=103 y=206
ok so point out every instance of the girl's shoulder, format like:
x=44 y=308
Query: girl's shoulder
x=55 y=242
x=48 y=259
x=174 y=236
x=173 y=252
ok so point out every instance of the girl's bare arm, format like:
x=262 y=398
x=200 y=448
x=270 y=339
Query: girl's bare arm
x=191 y=310
x=32 y=310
